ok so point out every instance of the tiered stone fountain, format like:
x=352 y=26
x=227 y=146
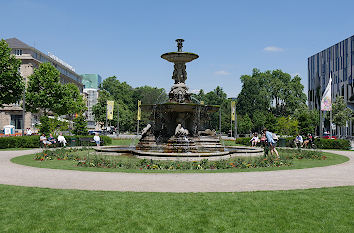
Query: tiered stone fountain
x=178 y=126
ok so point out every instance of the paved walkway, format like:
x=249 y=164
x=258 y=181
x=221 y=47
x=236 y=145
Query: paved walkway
x=337 y=175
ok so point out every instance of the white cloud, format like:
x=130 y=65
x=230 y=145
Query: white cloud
x=195 y=91
x=222 y=72
x=273 y=49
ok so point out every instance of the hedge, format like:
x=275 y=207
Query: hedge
x=33 y=141
x=332 y=143
x=320 y=143
x=19 y=142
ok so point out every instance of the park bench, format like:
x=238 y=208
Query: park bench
x=88 y=141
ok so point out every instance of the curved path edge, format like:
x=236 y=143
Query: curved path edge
x=318 y=177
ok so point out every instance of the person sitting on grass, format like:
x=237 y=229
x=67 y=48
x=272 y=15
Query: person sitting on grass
x=271 y=142
x=61 y=139
x=97 y=139
x=44 y=141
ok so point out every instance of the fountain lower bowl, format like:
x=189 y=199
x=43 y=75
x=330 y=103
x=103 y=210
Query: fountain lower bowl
x=199 y=154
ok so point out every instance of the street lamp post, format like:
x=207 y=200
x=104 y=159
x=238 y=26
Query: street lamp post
x=23 y=109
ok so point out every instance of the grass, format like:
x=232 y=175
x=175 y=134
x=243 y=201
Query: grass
x=71 y=165
x=27 y=209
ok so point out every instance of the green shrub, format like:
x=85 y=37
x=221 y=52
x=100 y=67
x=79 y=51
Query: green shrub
x=33 y=141
x=19 y=142
x=243 y=141
x=322 y=143
x=106 y=140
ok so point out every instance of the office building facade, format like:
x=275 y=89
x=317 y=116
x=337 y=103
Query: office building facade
x=91 y=96
x=337 y=61
x=91 y=81
x=31 y=58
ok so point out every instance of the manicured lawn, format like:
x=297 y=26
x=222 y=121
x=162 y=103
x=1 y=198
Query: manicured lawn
x=26 y=209
x=71 y=165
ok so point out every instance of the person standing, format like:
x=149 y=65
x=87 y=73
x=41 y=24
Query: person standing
x=271 y=142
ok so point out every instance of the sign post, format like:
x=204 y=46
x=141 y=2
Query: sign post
x=138 y=117
x=233 y=116
x=109 y=114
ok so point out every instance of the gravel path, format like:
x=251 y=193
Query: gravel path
x=337 y=175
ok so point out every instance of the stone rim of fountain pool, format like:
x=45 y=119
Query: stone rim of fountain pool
x=232 y=151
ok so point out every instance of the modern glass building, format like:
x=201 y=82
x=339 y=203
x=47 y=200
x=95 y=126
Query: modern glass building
x=91 y=80
x=337 y=61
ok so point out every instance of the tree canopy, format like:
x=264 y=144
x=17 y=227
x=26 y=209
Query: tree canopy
x=11 y=82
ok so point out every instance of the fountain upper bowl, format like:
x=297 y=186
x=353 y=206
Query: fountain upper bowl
x=182 y=57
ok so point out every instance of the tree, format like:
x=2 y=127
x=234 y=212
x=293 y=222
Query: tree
x=80 y=125
x=259 y=121
x=217 y=97
x=44 y=91
x=341 y=113
x=11 y=82
x=127 y=118
x=150 y=95
x=72 y=101
x=52 y=125
x=255 y=94
x=287 y=126
x=119 y=91
x=244 y=124
x=308 y=120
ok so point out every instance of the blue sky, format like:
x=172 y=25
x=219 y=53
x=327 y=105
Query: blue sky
x=126 y=38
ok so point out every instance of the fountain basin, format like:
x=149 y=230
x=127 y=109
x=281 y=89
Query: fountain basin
x=179 y=57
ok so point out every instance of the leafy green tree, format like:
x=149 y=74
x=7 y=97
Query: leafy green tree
x=217 y=97
x=308 y=120
x=52 y=125
x=341 y=113
x=44 y=91
x=244 y=124
x=80 y=125
x=119 y=91
x=11 y=82
x=150 y=95
x=287 y=126
x=255 y=94
x=127 y=119
x=271 y=122
x=72 y=101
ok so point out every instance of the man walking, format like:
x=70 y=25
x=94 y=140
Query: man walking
x=271 y=142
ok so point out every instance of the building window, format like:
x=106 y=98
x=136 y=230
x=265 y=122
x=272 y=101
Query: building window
x=18 y=51
x=16 y=120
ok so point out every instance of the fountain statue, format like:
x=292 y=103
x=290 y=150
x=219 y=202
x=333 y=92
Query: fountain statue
x=178 y=126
